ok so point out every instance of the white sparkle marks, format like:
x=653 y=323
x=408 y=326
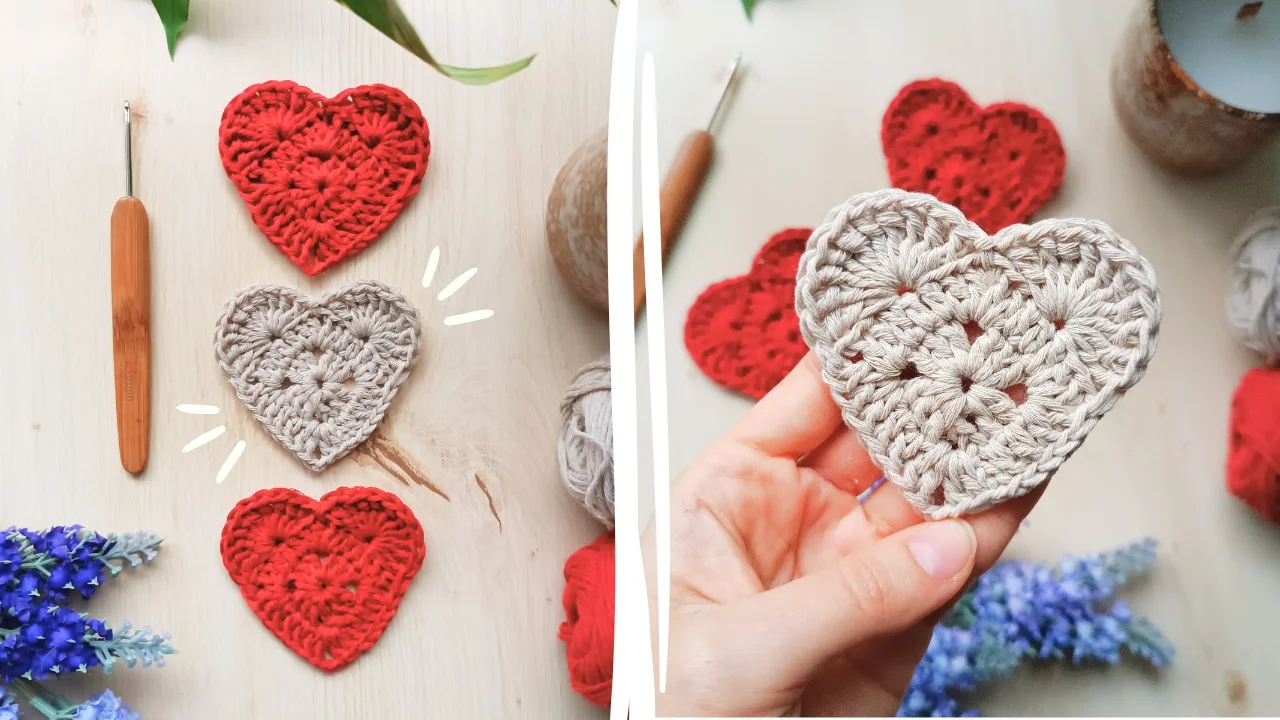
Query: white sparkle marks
x=198 y=409
x=457 y=284
x=432 y=262
x=205 y=438
x=454 y=286
x=469 y=317
x=209 y=436
x=230 y=462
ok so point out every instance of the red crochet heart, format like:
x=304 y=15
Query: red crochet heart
x=998 y=164
x=323 y=178
x=743 y=332
x=325 y=576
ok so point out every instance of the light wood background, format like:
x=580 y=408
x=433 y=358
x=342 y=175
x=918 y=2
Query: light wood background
x=475 y=637
x=803 y=135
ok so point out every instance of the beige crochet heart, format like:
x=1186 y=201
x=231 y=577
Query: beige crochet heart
x=971 y=366
x=319 y=374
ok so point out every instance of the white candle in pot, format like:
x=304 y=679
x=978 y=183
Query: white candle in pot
x=1231 y=49
x=1196 y=83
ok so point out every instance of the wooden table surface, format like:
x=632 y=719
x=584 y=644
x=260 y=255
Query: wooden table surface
x=802 y=136
x=476 y=634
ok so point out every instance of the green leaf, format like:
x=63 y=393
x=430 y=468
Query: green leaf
x=173 y=15
x=387 y=18
x=749 y=6
x=484 y=76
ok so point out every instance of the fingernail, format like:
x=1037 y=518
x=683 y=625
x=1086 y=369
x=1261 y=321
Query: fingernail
x=943 y=548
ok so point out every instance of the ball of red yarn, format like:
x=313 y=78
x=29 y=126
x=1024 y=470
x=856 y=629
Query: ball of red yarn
x=588 y=631
x=1253 y=458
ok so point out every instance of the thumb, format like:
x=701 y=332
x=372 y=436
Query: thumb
x=885 y=588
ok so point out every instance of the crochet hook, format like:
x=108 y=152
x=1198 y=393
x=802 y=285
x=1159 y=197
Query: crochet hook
x=131 y=316
x=681 y=185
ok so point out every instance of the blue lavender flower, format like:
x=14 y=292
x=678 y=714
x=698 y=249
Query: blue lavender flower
x=8 y=706
x=11 y=556
x=1022 y=610
x=39 y=572
x=54 y=563
x=18 y=601
x=63 y=558
x=105 y=706
x=54 y=640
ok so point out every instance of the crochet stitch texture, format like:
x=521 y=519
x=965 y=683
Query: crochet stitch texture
x=323 y=178
x=972 y=366
x=997 y=164
x=319 y=374
x=742 y=332
x=324 y=576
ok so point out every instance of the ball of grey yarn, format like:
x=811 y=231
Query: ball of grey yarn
x=1253 y=296
x=586 y=443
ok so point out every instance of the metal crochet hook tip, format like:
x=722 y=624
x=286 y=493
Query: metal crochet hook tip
x=734 y=67
x=128 y=151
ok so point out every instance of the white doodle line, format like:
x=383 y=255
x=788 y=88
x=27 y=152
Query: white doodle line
x=633 y=687
x=651 y=220
x=209 y=436
x=230 y=462
x=465 y=318
x=457 y=283
x=433 y=262
x=203 y=438
x=198 y=409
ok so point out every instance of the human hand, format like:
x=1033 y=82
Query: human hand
x=788 y=597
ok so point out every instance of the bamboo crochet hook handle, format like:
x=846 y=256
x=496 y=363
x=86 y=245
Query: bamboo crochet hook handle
x=680 y=187
x=679 y=190
x=131 y=318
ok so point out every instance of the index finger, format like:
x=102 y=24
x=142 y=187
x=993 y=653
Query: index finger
x=794 y=418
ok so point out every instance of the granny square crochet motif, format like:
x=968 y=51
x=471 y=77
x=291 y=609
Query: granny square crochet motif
x=323 y=178
x=319 y=374
x=325 y=576
x=972 y=366
x=742 y=332
x=998 y=164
